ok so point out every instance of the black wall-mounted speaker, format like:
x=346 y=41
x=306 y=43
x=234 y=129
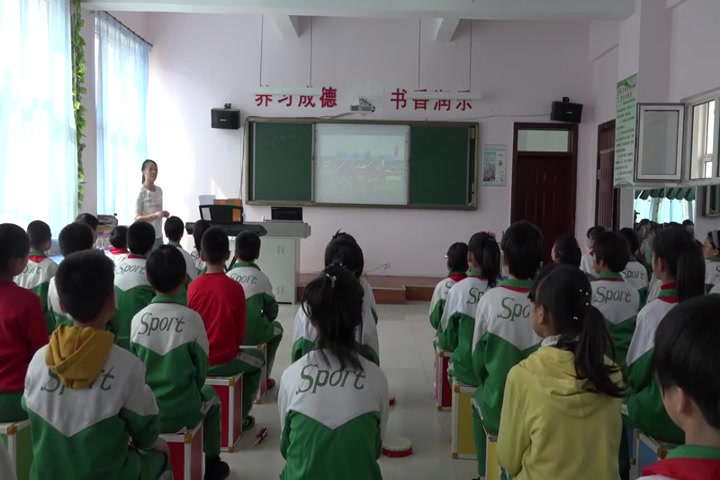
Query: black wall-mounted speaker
x=566 y=112
x=225 y=118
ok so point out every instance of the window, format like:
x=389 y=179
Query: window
x=703 y=137
x=38 y=152
x=122 y=72
x=665 y=205
x=543 y=141
x=659 y=142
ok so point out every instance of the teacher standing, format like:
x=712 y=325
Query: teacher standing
x=150 y=201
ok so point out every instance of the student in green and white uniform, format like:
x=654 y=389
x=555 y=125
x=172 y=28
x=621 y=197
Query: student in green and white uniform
x=174 y=231
x=75 y=237
x=458 y=321
x=132 y=289
x=333 y=402
x=199 y=229
x=678 y=264
x=617 y=300
x=118 y=253
x=586 y=264
x=503 y=333
x=262 y=309
x=39 y=269
x=711 y=252
x=171 y=340
x=457 y=265
x=87 y=397
x=340 y=252
x=635 y=272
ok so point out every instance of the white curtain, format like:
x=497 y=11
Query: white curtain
x=122 y=71
x=38 y=151
x=662 y=210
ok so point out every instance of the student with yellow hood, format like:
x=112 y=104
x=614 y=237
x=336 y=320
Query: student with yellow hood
x=84 y=395
x=563 y=402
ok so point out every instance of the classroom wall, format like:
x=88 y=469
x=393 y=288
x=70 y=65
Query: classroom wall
x=202 y=61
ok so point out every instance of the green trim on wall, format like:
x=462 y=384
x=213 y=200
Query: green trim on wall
x=79 y=68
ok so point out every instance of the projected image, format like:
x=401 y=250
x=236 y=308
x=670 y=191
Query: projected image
x=363 y=164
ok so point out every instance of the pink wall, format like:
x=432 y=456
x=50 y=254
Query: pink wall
x=203 y=61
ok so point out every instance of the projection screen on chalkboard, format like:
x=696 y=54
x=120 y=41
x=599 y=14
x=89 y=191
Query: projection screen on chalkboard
x=361 y=164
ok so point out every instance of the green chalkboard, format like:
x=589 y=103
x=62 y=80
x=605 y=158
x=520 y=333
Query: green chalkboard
x=281 y=162
x=440 y=159
x=442 y=163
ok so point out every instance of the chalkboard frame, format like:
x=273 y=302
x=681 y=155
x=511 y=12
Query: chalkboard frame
x=473 y=162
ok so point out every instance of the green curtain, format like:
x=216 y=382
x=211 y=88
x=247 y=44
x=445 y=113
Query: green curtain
x=669 y=193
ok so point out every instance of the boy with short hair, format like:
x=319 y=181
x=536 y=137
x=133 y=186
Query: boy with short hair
x=91 y=221
x=587 y=260
x=132 y=289
x=40 y=269
x=174 y=231
x=85 y=396
x=75 y=237
x=22 y=324
x=171 y=340
x=118 y=253
x=220 y=301
x=687 y=360
x=504 y=334
x=260 y=304
x=616 y=299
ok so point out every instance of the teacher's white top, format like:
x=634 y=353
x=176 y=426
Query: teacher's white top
x=148 y=202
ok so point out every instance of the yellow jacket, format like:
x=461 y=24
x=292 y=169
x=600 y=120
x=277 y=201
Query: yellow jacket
x=551 y=427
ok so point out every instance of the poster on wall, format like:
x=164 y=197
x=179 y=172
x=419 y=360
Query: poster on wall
x=625 y=132
x=494 y=170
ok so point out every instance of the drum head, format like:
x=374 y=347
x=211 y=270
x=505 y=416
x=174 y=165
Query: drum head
x=397 y=447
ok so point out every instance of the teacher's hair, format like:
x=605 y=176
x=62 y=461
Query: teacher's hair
x=145 y=164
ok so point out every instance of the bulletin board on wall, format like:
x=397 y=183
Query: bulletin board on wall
x=356 y=163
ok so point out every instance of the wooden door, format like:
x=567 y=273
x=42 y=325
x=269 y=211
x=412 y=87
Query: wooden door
x=607 y=196
x=544 y=186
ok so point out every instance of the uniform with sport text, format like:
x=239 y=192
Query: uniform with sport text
x=133 y=293
x=440 y=294
x=332 y=419
x=171 y=341
x=619 y=302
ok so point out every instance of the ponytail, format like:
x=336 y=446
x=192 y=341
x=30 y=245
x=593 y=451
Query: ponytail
x=334 y=304
x=566 y=293
x=683 y=258
x=486 y=253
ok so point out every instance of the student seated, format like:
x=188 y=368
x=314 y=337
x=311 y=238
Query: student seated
x=85 y=396
x=174 y=231
x=635 y=272
x=587 y=264
x=687 y=360
x=132 y=289
x=40 y=269
x=347 y=254
x=171 y=340
x=503 y=334
x=333 y=429
x=260 y=304
x=564 y=400
x=617 y=300
x=566 y=251
x=201 y=226
x=711 y=252
x=220 y=301
x=367 y=288
x=118 y=253
x=22 y=324
x=91 y=221
x=457 y=265
x=458 y=321
x=678 y=264
x=75 y=237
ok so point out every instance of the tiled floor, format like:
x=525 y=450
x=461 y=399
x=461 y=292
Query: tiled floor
x=408 y=361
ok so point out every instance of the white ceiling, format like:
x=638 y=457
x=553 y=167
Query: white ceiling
x=476 y=9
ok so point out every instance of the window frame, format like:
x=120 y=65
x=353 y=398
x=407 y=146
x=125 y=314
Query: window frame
x=677 y=177
x=690 y=104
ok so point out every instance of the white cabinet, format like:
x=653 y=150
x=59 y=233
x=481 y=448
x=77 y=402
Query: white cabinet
x=280 y=260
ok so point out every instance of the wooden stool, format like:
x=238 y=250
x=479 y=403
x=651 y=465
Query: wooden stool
x=443 y=392
x=18 y=438
x=186 y=453
x=229 y=391
x=461 y=429
x=649 y=450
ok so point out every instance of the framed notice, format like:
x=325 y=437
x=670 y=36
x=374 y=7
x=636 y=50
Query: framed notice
x=494 y=167
x=625 y=130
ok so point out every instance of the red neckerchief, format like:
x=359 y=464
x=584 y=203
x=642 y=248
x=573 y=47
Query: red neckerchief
x=456 y=277
x=118 y=251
